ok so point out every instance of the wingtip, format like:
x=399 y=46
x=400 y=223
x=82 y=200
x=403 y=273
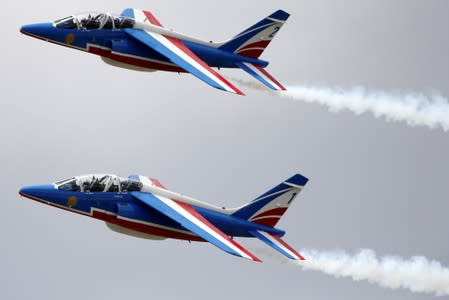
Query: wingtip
x=235 y=90
x=248 y=255
x=255 y=258
x=280 y=86
x=231 y=89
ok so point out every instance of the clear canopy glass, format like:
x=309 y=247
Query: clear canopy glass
x=99 y=183
x=95 y=21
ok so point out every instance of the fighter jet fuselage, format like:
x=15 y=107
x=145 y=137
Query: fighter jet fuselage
x=141 y=206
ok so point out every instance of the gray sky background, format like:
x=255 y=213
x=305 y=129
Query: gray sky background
x=372 y=184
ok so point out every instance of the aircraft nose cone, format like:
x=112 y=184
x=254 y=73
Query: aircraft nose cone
x=41 y=30
x=36 y=191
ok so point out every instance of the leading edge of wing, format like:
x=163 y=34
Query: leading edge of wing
x=175 y=50
x=190 y=219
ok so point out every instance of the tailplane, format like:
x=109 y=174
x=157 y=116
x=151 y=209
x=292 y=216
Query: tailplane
x=253 y=41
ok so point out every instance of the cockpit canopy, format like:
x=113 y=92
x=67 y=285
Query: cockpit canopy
x=99 y=183
x=92 y=21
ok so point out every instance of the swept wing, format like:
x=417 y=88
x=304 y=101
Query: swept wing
x=190 y=219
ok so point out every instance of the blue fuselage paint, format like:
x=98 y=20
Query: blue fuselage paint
x=119 y=42
x=124 y=205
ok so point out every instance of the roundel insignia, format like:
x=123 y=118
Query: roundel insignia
x=69 y=38
x=72 y=201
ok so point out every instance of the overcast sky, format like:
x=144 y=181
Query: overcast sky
x=372 y=184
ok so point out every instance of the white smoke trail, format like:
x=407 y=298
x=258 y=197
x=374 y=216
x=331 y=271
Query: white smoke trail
x=255 y=85
x=413 y=108
x=418 y=274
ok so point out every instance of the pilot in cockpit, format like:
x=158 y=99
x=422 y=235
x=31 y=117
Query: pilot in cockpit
x=97 y=185
x=91 y=22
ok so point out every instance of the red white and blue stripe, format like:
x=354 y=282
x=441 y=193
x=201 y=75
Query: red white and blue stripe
x=253 y=41
x=268 y=208
x=262 y=75
x=179 y=54
x=278 y=244
x=190 y=219
x=175 y=50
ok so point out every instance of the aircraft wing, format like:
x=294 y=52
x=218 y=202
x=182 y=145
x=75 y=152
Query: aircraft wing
x=262 y=75
x=190 y=219
x=175 y=50
x=277 y=244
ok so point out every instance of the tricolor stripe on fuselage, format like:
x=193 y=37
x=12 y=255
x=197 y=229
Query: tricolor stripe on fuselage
x=182 y=56
x=177 y=52
x=189 y=218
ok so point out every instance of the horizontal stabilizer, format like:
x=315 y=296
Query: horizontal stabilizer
x=278 y=244
x=262 y=75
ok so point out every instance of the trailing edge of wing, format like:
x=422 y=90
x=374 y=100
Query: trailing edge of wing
x=262 y=75
x=190 y=219
x=278 y=244
x=175 y=50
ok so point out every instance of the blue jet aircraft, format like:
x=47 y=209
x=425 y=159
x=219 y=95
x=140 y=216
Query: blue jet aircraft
x=136 y=40
x=142 y=207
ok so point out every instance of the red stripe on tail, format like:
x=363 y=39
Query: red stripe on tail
x=260 y=44
x=272 y=212
x=251 y=52
x=271 y=222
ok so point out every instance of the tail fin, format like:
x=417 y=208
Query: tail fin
x=253 y=41
x=268 y=208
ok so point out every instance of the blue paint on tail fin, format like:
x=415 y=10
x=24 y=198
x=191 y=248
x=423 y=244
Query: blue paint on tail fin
x=268 y=208
x=253 y=41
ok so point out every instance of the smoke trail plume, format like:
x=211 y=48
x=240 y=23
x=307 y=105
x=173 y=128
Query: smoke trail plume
x=413 y=108
x=417 y=274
